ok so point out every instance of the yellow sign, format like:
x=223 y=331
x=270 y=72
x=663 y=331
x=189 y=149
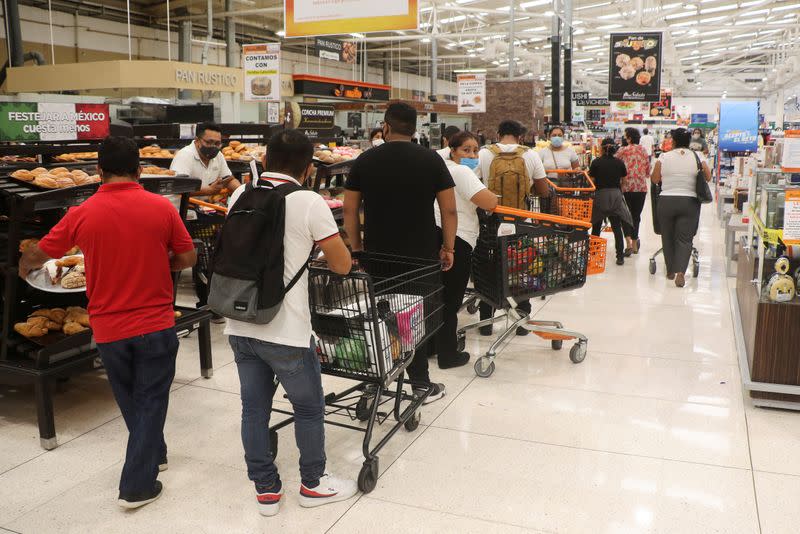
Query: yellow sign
x=123 y=74
x=791 y=218
x=304 y=18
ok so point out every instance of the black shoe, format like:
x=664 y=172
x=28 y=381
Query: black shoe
x=522 y=331
x=436 y=394
x=456 y=360
x=163 y=465
x=486 y=330
x=620 y=260
x=136 y=501
x=628 y=252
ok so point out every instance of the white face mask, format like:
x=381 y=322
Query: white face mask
x=377 y=142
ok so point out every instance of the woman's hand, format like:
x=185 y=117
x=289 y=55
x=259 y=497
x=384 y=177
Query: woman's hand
x=656 y=176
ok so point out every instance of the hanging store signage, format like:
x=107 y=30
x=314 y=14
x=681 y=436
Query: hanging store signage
x=32 y=121
x=591 y=102
x=472 y=93
x=306 y=84
x=699 y=118
x=791 y=217
x=738 y=126
x=790 y=160
x=684 y=114
x=327 y=48
x=663 y=108
x=304 y=18
x=314 y=120
x=262 y=72
x=634 y=72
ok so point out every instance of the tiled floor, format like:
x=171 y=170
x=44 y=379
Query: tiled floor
x=650 y=434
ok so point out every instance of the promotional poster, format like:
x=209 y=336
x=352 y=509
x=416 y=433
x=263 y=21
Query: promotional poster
x=262 y=72
x=738 y=126
x=634 y=72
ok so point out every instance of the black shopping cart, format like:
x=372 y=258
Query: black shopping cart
x=369 y=324
x=203 y=231
x=521 y=255
x=655 y=192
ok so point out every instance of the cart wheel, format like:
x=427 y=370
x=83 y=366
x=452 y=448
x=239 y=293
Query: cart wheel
x=696 y=269
x=472 y=307
x=484 y=367
x=368 y=477
x=363 y=408
x=578 y=352
x=652 y=266
x=413 y=422
x=556 y=344
x=273 y=443
x=461 y=340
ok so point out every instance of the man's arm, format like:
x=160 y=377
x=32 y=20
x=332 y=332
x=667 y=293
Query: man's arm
x=337 y=255
x=447 y=207
x=230 y=183
x=352 y=218
x=179 y=262
x=33 y=258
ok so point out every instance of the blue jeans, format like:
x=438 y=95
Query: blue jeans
x=140 y=370
x=260 y=363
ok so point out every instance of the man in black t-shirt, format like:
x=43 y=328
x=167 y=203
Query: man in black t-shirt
x=398 y=183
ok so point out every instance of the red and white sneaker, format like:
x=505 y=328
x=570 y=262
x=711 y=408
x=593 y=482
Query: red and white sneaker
x=330 y=489
x=269 y=501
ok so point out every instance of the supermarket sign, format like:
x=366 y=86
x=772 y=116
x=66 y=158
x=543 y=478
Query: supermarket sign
x=304 y=18
x=32 y=121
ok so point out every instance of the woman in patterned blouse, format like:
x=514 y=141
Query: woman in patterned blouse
x=634 y=185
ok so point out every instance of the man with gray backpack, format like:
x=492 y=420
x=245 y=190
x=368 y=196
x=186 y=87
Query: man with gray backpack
x=260 y=284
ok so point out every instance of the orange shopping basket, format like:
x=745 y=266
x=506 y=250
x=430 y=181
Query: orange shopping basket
x=572 y=195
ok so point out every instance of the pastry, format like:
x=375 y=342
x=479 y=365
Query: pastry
x=60 y=170
x=70 y=261
x=45 y=181
x=54 y=314
x=637 y=63
x=643 y=78
x=39 y=170
x=261 y=86
x=650 y=63
x=78 y=315
x=25 y=244
x=64 y=180
x=627 y=72
x=623 y=59
x=73 y=280
x=22 y=174
x=234 y=144
x=30 y=330
x=73 y=328
x=81 y=180
x=241 y=148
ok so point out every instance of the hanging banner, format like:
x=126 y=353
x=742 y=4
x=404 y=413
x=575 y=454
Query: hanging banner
x=684 y=114
x=791 y=217
x=472 y=93
x=634 y=72
x=344 y=51
x=663 y=108
x=790 y=160
x=304 y=18
x=314 y=120
x=738 y=126
x=32 y=121
x=262 y=72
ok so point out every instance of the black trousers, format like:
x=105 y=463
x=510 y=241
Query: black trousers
x=455 y=285
x=616 y=226
x=678 y=218
x=635 y=202
x=140 y=370
x=487 y=311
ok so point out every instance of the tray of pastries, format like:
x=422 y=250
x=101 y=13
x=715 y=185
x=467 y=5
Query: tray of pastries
x=57 y=178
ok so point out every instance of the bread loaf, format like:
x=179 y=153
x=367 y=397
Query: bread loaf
x=261 y=86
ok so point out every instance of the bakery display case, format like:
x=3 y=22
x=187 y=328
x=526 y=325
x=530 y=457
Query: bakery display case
x=26 y=356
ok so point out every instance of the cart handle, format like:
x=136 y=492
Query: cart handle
x=557 y=219
x=570 y=171
x=198 y=202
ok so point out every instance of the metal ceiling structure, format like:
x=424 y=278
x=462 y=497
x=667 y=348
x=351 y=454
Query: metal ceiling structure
x=741 y=48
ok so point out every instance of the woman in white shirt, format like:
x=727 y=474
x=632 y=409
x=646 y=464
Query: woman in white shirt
x=678 y=207
x=470 y=193
x=557 y=156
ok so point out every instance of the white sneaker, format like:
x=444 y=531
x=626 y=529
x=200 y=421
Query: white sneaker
x=269 y=502
x=330 y=489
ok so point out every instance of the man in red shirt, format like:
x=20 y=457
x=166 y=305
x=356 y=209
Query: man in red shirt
x=131 y=241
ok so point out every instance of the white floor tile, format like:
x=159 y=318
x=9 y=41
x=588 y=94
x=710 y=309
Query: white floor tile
x=777 y=502
x=774 y=440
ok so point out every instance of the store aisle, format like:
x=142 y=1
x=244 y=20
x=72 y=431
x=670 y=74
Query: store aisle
x=650 y=434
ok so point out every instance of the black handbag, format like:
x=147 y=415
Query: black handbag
x=701 y=185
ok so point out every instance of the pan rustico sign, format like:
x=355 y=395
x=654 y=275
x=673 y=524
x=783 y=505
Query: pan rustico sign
x=205 y=78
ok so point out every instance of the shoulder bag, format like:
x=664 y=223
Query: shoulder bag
x=701 y=185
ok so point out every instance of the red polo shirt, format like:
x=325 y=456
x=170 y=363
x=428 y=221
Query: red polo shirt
x=126 y=235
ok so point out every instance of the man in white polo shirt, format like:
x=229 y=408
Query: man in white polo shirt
x=202 y=159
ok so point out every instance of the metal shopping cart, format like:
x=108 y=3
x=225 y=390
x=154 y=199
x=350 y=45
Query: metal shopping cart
x=655 y=192
x=571 y=195
x=203 y=232
x=369 y=323
x=520 y=255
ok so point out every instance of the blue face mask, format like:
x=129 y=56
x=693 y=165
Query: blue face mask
x=472 y=163
x=557 y=141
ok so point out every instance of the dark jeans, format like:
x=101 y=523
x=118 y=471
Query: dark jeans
x=455 y=285
x=635 y=202
x=297 y=369
x=140 y=370
x=678 y=218
x=619 y=238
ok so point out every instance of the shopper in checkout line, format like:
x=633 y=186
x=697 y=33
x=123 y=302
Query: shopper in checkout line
x=202 y=159
x=470 y=194
x=132 y=240
x=678 y=208
x=397 y=184
x=558 y=156
x=447 y=135
x=510 y=134
x=634 y=185
x=283 y=350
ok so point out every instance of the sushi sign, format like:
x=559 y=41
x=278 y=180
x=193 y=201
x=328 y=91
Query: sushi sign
x=634 y=73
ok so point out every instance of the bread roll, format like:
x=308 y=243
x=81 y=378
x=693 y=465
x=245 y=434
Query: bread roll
x=261 y=86
x=23 y=175
x=64 y=180
x=59 y=170
x=30 y=330
x=73 y=280
x=45 y=181
x=39 y=170
x=72 y=327
x=234 y=144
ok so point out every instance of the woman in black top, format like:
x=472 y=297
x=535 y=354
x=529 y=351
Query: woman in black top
x=607 y=173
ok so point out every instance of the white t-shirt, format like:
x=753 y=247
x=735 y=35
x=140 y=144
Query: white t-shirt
x=647 y=142
x=467 y=186
x=533 y=163
x=558 y=159
x=679 y=173
x=187 y=161
x=444 y=152
x=308 y=221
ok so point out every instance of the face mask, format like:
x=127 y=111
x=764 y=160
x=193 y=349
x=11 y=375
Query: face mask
x=209 y=152
x=556 y=141
x=472 y=163
x=696 y=136
x=377 y=142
